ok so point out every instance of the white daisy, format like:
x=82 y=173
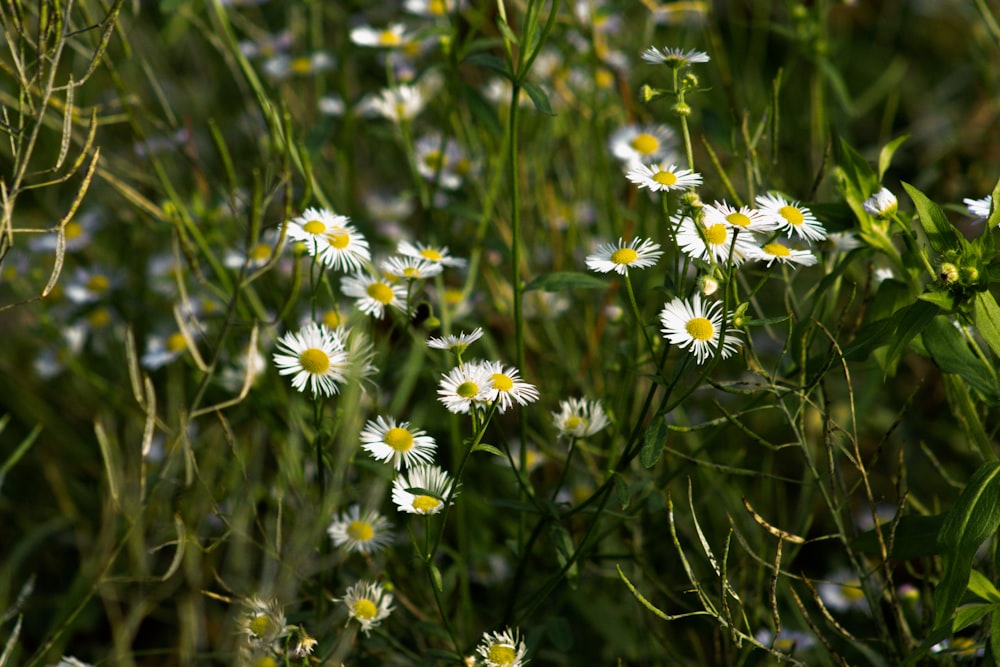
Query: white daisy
x=791 y=217
x=465 y=387
x=441 y=161
x=398 y=444
x=316 y=356
x=344 y=248
x=432 y=8
x=396 y=104
x=502 y=649
x=368 y=603
x=639 y=254
x=979 y=208
x=311 y=227
x=161 y=350
x=435 y=254
x=508 y=386
x=393 y=36
x=779 y=252
x=579 y=417
x=661 y=177
x=645 y=144
x=89 y=285
x=745 y=219
x=263 y=621
x=373 y=293
x=882 y=204
x=673 y=57
x=282 y=66
x=456 y=343
x=364 y=534
x=422 y=490
x=716 y=242
x=410 y=268
x=842 y=591
x=695 y=327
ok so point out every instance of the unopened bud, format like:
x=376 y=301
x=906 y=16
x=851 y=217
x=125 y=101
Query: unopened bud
x=949 y=273
x=682 y=109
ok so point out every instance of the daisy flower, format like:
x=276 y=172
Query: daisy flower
x=791 y=217
x=465 y=387
x=282 y=66
x=579 y=417
x=311 y=227
x=458 y=343
x=435 y=254
x=779 y=252
x=672 y=57
x=502 y=649
x=399 y=444
x=316 y=357
x=410 y=268
x=745 y=218
x=660 y=177
x=842 y=591
x=368 y=603
x=619 y=257
x=787 y=641
x=695 y=327
x=364 y=534
x=645 y=144
x=89 y=286
x=373 y=293
x=431 y=8
x=392 y=36
x=441 y=161
x=396 y=104
x=263 y=622
x=882 y=204
x=979 y=208
x=713 y=242
x=161 y=350
x=344 y=248
x=508 y=386
x=422 y=490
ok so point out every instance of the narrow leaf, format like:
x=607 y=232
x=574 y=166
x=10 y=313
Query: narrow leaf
x=915 y=318
x=983 y=587
x=652 y=446
x=483 y=447
x=987 y=314
x=994 y=219
x=538 y=97
x=885 y=155
x=941 y=234
x=505 y=30
x=969 y=614
x=951 y=352
x=622 y=491
x=490 y=61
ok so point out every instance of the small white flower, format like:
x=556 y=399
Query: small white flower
x=662 y=177
x=465 y=387
x=410 y=268
x=263 y=622
x=791 y=217
x=283 y=66
x=373 y=293
x=456 y=343
x=423 y=489
x=745 y=219
x=368 y=603
x=645 y=144
x=502 y=649
x=979 y=208
x=842 y=591
x=399 y=444
x=717 y=242
x=882 y=204
x=364 y=534
x=396 y=104
x=430 y=8
x=638 y=253
x=393 y=36
x=579 y=417
x=508 y=387
x=430 y=253
x=779 y=252
x=89 y=285
x=673 y=57
x=695 y=327
x=316 y=356
x=161 y=350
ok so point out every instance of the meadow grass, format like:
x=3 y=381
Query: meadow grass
x=440 y=332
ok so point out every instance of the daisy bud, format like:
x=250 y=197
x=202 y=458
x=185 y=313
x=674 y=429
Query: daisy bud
x=948 y=273
x=682 y=109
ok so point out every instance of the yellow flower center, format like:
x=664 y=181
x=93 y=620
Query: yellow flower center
x=716 y=234
x=176 y=342
x=339 y=240
x=389 y=38
x=365 y=609
x=314 y=360
x=624 y=256
x=360 y=531
x=502 y=382
x=261 y=625
x=434 y=160
x=72 y=230
x=738 y=219
x=437 y=7
x=467 y=389
x=604 y=78
x=411 y=272
x=852 y=591
x=399 y=439
x=777 y=250
x=453 y=296
x=425 y=504
x=100 y=318
x=700 y=328
x=501 y=655
x=301 y=65
x=574 y=423
x=431 y=254
x=963 y=646
x=792 y=215
x=261 y=252
x=314 y=227
x=665 y=177
x=98 y=283
x=332 y=319
x=381 y=293
x=646 y=143
x=266 y=661
x=462 y=166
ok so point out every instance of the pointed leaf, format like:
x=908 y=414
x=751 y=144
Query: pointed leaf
x=987 y=314
x=915 y=318
x=951 y=352
x=539 y=97
x=885 y=155
x=490 y=61
x=994 y=219
x=968 y=614
x=506 y=31
x=652 y=446
x=941 y=234
x=621 y=490
x=983 y=587
x=490 y=449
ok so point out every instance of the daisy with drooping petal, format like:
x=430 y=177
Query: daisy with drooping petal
x=979 y=208
x=392 y=36
x=398 y=444
x=423 y=489
x=456 y=343
x=662 y=177
x=579 y=417
x=373 y=293
x=673 y=57
x=465 y=387
x=779 y=252
x=316 y=357
x=410 y=268
x=882 y=204
x=645 y=144
x=368 y=603
x=744 y=218
x=435 y=254
x=263 y=622
x=718 y=242
x=639 y=254
x=695 y=326
x=364 y=534
x=344 y=248
x=508 y=387
x=791 y=217
x=502 y=649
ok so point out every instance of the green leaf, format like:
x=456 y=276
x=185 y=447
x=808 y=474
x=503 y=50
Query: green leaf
x=941 y=234
x=482 y=109
x=951 y=352
x=557 y=281
x=943 y=299
x=915 y=537
x=968 y=614
x=621 y=490
x=914 y=319
x=983 y=587
x=483 y=447
x=490 y=61
x=994 y=219
x=652 y=446
x=436 y=577
x=506 y=31
x=564 y=549
x=987 y=316
x=974 y=518
x=538 y=97
x=885 y=155
x=995 y=629
x=966 y=413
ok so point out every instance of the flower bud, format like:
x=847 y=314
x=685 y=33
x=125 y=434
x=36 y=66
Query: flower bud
x=948 y=273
